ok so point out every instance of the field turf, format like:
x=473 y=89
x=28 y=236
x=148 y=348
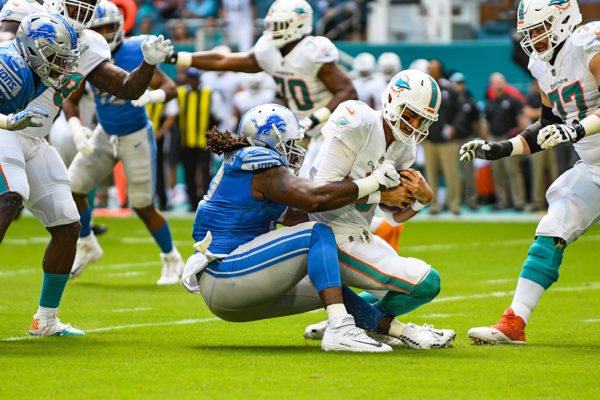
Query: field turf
x=144 y=341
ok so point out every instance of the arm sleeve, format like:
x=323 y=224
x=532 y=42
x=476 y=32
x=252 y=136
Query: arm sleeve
x=334 y=161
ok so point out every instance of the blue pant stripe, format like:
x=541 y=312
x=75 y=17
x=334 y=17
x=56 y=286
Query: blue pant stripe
x=258 y=267
x=266 y=246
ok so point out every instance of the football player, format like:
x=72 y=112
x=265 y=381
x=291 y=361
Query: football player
x=125 y=134
x=303 y=66
x=363 y=69
x=38 y=177
x=357 y=140
x=247 y=271
x=566 y=63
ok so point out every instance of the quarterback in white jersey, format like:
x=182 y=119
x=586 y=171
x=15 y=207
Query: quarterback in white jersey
x=304 y=67
x=38 y=178
x=566 y=62
x=357 y=140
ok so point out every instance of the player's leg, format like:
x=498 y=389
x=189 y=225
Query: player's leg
x=574 y=206
x=432 y=167
x=85 y=172
x=259 y=278
x=51 y=202
x=137 y=151
x=14 y=186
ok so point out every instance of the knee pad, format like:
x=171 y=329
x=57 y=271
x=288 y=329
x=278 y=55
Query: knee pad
x=429 y=288
x=543 y=260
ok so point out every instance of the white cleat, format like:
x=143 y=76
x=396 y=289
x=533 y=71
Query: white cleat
x=172 y=268
x=343 y=335
x=386 y=339
x=88 y=251
x=51 y=326
x=315 y=331
x=426 y=337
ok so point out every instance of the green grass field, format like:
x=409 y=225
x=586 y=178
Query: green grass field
x=145 y=341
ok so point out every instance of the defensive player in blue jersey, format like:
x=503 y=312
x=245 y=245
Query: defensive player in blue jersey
x=247 y=271
x=125 y=134
x=44 y=51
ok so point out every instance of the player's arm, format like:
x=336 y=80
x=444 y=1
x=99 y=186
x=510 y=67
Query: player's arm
x=120 y=83
x=342 y=88
x=81 y=134
x=213 y=61
x=164 y=89
x=416 y=186
x=279 y=185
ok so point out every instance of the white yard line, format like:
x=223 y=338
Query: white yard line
x=119 y=310
x=123 y=274
x=94 y=266
x=118 y=327
x=591 y=320
x=497 y=281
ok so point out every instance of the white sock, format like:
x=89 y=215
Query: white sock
x=46 y=312
x=396 y=328
x=333 y=310
x=527 y=295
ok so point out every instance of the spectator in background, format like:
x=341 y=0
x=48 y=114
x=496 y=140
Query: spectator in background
x=543 y=162
x=199 y=109
x=146 y=27
x=201 y=9
x=504 y=113
x=465 y=124
x=441 y=146
x=180 y=33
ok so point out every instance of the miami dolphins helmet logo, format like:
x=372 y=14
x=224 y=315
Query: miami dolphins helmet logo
x=45 y=31
x=400 y=84
x=300 y=11
x=559 y=3
x=266 y=128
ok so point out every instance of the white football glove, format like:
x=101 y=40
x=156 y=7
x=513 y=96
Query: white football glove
x=150 y=96
x=306 y=124
x=556 y=134
x=156 y=49
x=387 y=175
x=23 y=119
x=82 y=136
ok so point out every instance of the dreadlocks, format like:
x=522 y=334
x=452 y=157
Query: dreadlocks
x=221 y=142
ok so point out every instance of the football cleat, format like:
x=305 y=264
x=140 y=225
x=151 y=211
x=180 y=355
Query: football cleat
x=386 y=339
x=426 y=337
x=88 y=251
x=315 y=331
x=51 y=326
x=172 y=268
x=343 y=335
x=509 y=330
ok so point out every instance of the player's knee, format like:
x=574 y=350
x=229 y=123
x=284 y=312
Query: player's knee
x=10 y=203
x=543 y=261
x=429 y=288
x=322 y=232
x=67 y=233
x=140 y=201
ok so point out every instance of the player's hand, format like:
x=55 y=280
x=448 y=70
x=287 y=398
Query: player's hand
x=23 y=119
x=156 y=49
x=416 y=184
x=82 y=137
x=387 y=175
x=556 y=134
x=479 y=149
x=142 y=100
x=306 y=124
x=398 y=196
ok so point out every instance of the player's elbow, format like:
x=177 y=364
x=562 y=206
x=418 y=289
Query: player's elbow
x=170 y=90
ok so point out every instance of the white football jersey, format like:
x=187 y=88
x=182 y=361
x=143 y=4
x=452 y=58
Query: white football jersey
x=94 y=50
x=571 y=86
x=360 y=128
x=296 y=73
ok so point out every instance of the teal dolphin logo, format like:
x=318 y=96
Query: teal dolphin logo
x=401 y=84
x=341 y=122
x=300 y=11
x=559 y=3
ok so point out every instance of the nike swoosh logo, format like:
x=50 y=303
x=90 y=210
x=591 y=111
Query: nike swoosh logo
x=495 y=333
x=377 y=344
x=351 y=111
x=137 y=145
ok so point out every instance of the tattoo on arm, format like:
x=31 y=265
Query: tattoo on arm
x=118 y=82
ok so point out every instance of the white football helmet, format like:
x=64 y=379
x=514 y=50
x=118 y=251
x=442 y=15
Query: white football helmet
x=287 y=21
x=108 y=14
x=275 y=127
x=254 y=82
x=416 y=91
x=364 y=65
x=389 y=64
x=556 y=18
x=420 y=64
x=49 y=45
x=80 y=13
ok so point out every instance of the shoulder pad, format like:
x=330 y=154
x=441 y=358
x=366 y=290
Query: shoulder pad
x=321 y=50
x=16 y=10
x=587 y=37
x=254 y=158
x=350 y=123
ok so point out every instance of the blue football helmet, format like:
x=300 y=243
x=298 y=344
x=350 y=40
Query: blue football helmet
x=49 y=45
x=275 y=127
x=108 y=15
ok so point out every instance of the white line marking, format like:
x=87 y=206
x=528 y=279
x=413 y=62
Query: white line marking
x=150 y=240
x=114 y=328
x=133 y=309
x=124 y=274
x=496 y=281
x=590 y=286
x=439 y=315
x=591 y=320
x=100 y=266
x=27 y=241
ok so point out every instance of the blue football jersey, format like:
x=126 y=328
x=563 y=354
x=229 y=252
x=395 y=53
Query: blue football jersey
x=117 y=116
x=17 y=84
x=229 y=210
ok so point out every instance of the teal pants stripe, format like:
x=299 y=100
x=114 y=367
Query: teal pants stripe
x=3 y=182
x=396 y=303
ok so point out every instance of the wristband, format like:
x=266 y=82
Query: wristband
x=157 y=96
x=517 y=146
x=184 y=59
x=321 y=115
x=366 y=186
x=374 y=198
x=417 y=206
x=591 y=124
x=3 y=121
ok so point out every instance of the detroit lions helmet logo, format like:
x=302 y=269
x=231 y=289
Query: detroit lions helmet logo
x=45 y=31
x=266 y=128
x=400 y=84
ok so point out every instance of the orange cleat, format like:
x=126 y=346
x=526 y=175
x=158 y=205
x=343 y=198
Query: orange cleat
x=509 y=330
